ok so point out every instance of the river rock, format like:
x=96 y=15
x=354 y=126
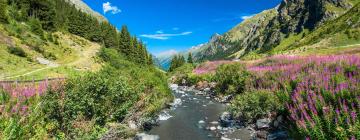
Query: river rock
x=225 y=119
x=212 y=85
x=263 y=123
x=143 y=136
x=261 y=134
x=174 y=86
x=207 y=89
x=132 y=124
x=213 y=128
x=224 y=138
x=202 y=85
x=227 y=99
x=280 y=135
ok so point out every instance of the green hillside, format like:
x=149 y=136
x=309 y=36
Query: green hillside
x=285 y=28
x=107 y=77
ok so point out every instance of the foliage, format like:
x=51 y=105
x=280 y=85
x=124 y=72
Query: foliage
x=319 y=92
x=190 y=58
x=254 y=105
x=36 y=28
x=3 y=12
x=176 y=62
x=183 y=72
x=231 y=79
x=83 y=106
x=17 y=51
x=209 y=67
x=60 y=15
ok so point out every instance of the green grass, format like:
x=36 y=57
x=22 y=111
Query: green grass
x=69 y=51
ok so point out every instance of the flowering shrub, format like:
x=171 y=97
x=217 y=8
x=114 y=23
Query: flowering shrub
x=254 y=104
x=209 y=67
x=321 y=93
x=20 y=116
x=231 y=79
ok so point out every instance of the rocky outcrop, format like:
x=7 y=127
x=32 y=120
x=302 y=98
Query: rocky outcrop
x=79 y=4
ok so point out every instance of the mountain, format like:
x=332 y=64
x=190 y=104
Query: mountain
x=283 y=25
x=164 y=59
x=79 y=4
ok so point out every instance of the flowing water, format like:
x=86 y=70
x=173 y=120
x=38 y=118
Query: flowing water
x=192 y=117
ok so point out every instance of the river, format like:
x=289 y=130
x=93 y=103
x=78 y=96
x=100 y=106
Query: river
x=194 y=117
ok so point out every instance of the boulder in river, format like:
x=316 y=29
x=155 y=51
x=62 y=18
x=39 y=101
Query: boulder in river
x=143 y=136
x=263 y=123
x=279 y=135
x=226 y=119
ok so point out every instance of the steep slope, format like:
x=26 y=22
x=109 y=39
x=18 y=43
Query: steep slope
x=243 y=34
x=270 y=28
x=68 y=54
x=79 y=4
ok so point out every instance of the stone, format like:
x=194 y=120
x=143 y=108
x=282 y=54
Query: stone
x=261 y=134
x=279 y=119
x=225 y=119
x=207 y=89
x=132 y=125
x=213 y=128
x=263 y=123
x=143 y=136
x=280 y=135
x=227 y=99
x=224 y=138
x=276 y=123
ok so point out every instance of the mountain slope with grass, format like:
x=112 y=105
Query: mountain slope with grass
x=278 y=28
x=65 y=74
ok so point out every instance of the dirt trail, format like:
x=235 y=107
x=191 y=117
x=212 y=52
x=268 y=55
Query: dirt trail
x=84 y=62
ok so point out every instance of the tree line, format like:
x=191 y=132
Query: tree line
x=179 y=60
x=60 y=15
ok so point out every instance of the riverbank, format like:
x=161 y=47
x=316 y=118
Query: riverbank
x=197 y=114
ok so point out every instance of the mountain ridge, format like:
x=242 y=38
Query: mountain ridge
x=79 y=4
x=267 y=30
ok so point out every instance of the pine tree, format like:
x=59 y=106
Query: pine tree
x=3 y=12
x=190 y=58
x=44 y=10
x=109 y=35
x=36 y=28
x=176 y=62
x=125 y=41
x=150 y=60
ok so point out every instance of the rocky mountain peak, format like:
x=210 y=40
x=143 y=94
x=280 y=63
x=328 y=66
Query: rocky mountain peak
x=79 y=4
x=296 y=15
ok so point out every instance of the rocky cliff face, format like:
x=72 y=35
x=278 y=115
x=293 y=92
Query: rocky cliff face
x=79 y=4
x=266 y=30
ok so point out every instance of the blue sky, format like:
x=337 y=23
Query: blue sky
x=178 y=24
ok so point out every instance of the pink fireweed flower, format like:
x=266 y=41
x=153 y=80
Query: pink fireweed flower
x=353 y=116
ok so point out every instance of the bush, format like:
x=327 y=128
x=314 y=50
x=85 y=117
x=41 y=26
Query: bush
x=36 y=28
x=231 y=79
x=254 y=105
x=103 y=98
x=3 y=12
x=17 y=51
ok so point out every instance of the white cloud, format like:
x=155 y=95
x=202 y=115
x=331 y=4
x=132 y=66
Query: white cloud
x=246 y=17
x=160 y=32
x=167 y=53
x=175 y=28
x=233 y=18
x=163 y=36
x=107 y=7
